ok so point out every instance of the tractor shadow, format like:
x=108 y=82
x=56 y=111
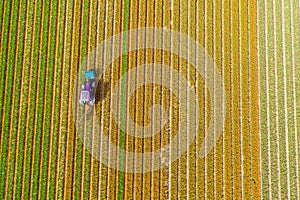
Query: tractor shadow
x=102 y=90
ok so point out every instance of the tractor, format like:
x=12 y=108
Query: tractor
x=88 y=88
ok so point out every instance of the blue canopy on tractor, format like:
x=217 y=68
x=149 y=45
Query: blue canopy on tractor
x=90 y=74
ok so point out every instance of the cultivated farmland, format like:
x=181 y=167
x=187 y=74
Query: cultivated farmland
x=44 y=50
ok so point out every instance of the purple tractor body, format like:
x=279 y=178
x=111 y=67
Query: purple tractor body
x=88 y=92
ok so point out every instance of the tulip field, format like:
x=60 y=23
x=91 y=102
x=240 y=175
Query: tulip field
x=44 y=140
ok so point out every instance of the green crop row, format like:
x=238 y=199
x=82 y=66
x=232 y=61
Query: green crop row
x=93 y=20
x=39 y=120
x=48 y=135
x=3 y=136
x=22 y=45
x=77 y=173
x=22 y=157
x=291 y=132
x=48 y=52
x=29 y=188
x=84 y=50
x=20 y=15
x=7 y=60
x=82 y=157
x=2 y=3
x=39 y=73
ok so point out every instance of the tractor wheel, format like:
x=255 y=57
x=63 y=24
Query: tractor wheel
x=93 y=84
x=81 y=102
x=92 y=102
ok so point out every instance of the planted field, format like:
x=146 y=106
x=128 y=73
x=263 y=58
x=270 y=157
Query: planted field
x=279 y=102
x=44 y=140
